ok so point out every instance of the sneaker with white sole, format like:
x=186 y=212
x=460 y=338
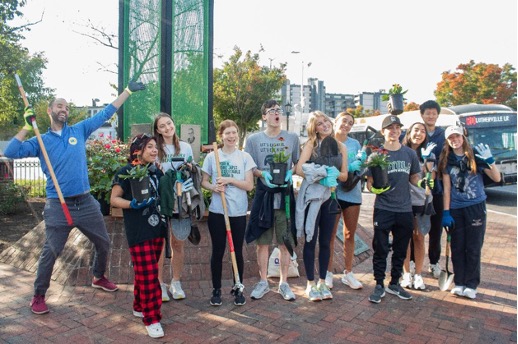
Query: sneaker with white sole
x=470 y=293
x=313 y=293
x=324 y=291
x=406 y=280
x=38 y=305
x=239 y=298
x=285 y=291
x=165 y=295
x=377 y=294
x=138 y=314
x=435 y=270
x=395 y=289
x=458 y=290
x=104 y=284
x=215 y=300
x=419 y=283
x=155 y=330
x=176 y=290
x=329 y=279
x=260 y=289
x=349 y=279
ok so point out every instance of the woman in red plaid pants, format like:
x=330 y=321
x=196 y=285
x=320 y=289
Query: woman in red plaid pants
x=145 y=231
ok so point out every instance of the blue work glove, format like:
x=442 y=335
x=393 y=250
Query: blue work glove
x=362 y=156
x=135 y=86
x=28 y=116
x=355 y=166
x=289 y=174
x=145 y=203
x=332 y=172
x=423 y=182
x=267 y=177
x=379 y=191
x=484 y=153
x=329 y=182
x=187 y=185
x=447 y=220
x=426 y=152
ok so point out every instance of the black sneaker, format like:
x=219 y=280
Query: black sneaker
x=377 y=294
x=239 y=298
x=215 y=300
x=396 y=289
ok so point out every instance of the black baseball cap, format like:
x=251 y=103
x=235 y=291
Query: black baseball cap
x=389 y=120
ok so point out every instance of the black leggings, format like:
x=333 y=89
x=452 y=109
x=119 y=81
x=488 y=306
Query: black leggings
x=218 y=236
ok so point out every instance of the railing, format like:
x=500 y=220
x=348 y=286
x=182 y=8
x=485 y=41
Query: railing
x=26 y=173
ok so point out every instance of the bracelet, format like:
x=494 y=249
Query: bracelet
x=128 y=90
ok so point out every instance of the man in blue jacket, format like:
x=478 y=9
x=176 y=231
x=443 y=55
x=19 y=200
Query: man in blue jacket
x=66 y=148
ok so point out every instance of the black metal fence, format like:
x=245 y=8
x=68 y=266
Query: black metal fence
x=26 y=173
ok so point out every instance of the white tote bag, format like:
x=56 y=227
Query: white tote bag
x=274 y=265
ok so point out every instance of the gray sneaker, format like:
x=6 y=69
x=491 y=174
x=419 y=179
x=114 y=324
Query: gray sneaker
x=313 y=293
x=285 y=291
x=396 y=289
x=260 y=289
x=377 y=294
x=324 y=291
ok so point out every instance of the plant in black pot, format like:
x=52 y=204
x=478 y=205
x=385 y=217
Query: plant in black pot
x=279 y=167
x=395 y=99
x=378 y=163
x=139 y=181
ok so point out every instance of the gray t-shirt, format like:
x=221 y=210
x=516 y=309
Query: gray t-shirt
x=262 y=148
x=185 y=152
x=403 y=163
x=234 y=165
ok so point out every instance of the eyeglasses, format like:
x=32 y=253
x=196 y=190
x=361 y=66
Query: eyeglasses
x=273 y=111
x=140 y=137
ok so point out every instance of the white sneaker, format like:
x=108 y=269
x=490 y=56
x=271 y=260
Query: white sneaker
x=470 y=293
x=155 y=330
x=349 y=279
x=412 y=267
x=176 y=290
x=329 y=279
x=285 y=291
x=260 y=289
x=165 y=295
x=435 y=270
x=418 y=282
x=458 y=290
x=406 y=280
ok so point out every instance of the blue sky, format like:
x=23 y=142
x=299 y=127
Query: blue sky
x=352 y=46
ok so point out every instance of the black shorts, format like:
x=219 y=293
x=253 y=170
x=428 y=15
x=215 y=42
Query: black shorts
x=344 y=204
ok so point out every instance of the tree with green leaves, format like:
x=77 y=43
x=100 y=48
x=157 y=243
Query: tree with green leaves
x=478 y=83
x=14 y=58
x=241 y=87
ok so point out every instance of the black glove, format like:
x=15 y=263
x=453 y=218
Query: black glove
x=135 y=86
x=28 y=116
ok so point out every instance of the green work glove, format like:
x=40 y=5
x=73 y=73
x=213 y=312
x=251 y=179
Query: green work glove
x=423 y=182
x=379 y=191
x=28 y=116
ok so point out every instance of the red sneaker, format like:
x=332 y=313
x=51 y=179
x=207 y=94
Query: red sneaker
x=38 y=305
x=104 y=284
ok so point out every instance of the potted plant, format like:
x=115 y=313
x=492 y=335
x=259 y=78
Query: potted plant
x=105 y=156
x=279 y=167
x=378 y=163
x=139 y=179
x=395 y=99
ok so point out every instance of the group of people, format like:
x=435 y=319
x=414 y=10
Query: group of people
x=313 y=215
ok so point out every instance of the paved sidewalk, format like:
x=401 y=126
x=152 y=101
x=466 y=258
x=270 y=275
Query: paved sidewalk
x=82 y=314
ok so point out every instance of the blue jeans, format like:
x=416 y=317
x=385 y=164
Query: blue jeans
x=87 y=217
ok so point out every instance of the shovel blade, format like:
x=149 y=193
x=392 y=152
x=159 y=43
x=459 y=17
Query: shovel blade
x=445 y=280
x=287 y=243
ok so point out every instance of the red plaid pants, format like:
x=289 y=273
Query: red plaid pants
x=147 y=292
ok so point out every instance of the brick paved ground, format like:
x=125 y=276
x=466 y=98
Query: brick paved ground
x=81 y=314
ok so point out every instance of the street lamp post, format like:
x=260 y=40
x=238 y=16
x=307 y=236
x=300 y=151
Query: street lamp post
x=287 y=108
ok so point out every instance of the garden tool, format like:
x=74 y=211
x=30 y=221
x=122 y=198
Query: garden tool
x=446 y=277
x=330 y=156
x=287 y=234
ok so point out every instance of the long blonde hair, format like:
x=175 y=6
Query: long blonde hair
x=160 y=138
x=311 y=127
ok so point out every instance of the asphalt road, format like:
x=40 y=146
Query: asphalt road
x=501 y=199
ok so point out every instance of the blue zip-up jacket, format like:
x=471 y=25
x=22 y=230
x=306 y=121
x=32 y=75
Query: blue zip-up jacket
x=67 y=153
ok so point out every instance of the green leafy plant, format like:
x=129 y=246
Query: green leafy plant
x=280 y=157
x=138 y=171
x=396 y=89
x=105 y=156
x=11 y=196
x=378 y=158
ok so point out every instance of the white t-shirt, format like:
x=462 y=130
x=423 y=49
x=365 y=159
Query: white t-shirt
x=234 y=165
x=170 y=153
